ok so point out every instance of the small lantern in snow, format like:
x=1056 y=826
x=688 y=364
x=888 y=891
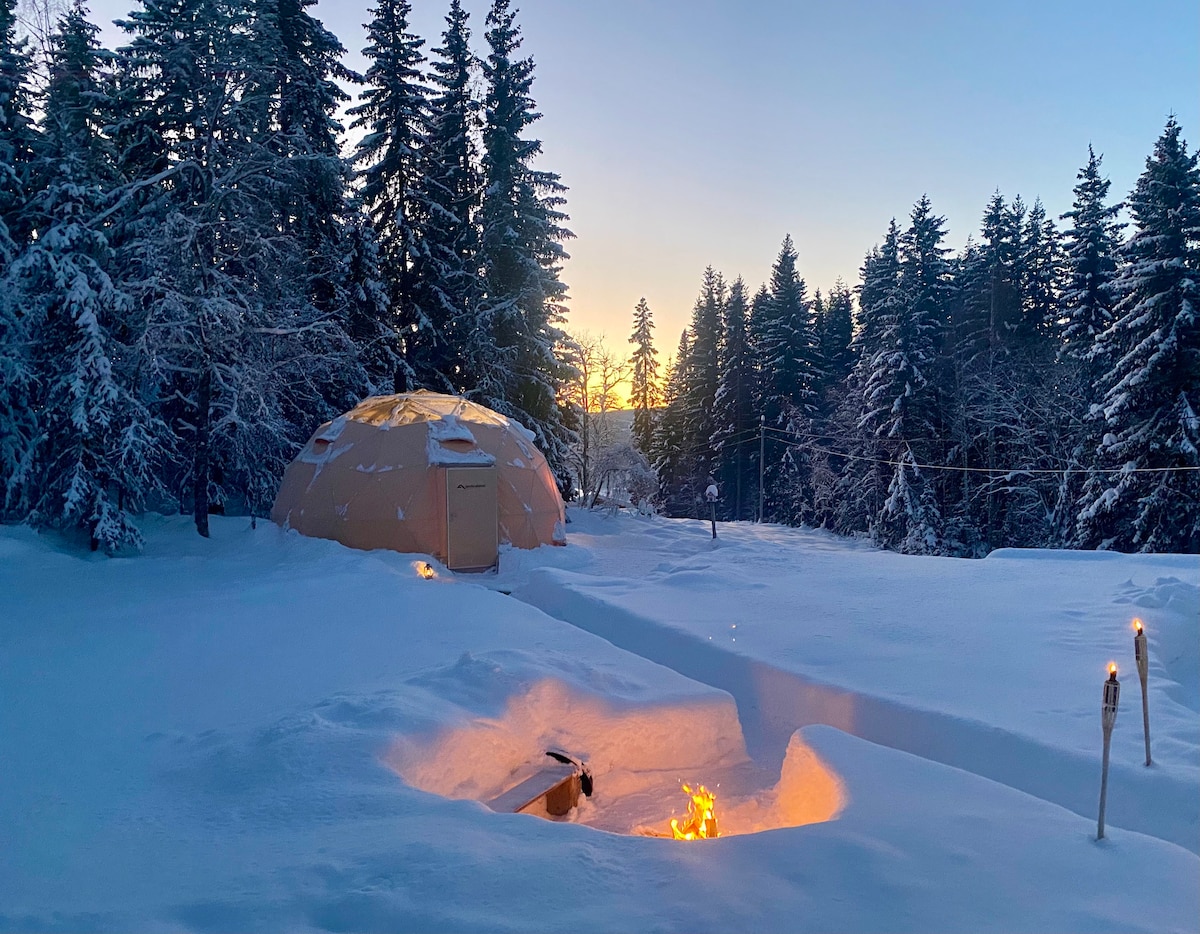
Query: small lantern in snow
x=1108 y=717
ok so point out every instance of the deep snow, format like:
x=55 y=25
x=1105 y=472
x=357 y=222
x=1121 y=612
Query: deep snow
x=212 y=736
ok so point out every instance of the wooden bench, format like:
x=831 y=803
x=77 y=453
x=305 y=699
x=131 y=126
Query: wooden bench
x=551 y=791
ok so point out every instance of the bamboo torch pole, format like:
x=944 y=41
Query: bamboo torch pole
x=1143 y=667
x=1108 y=716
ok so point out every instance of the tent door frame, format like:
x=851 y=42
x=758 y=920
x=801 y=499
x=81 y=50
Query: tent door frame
x=472 y=518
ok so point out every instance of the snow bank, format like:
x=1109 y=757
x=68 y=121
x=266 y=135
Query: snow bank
x=203 y=739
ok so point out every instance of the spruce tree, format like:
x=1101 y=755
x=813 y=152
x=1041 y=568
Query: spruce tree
x=18 y=136
x=241 y=354
x=644 y=394
x=88 y=466
x=703 y=377
x=513 y=363
x=671 y=459
x=1041 y=268
x=837 y=333
x=903 y=395
x=1092 y=243
x=788 y=350
x=862 y=487
x=394 y=114
x=736 y=422
x=18 y=142
x=447 y=288
x=1151 y=394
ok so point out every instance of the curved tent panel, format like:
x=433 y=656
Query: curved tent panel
x=376 y=476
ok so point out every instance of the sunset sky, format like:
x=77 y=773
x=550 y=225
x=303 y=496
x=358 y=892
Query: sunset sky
x=696 y=132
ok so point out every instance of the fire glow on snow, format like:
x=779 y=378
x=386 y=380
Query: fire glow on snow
x=635 y=754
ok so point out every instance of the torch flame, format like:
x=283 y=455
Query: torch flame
x=1112 y=668
x=701 y=822
x=1137 y=624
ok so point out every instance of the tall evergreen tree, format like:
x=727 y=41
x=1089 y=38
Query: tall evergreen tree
x=1041 y=268
x=1151 y=394
x=1092 y=243
x=837 y=333
x=238 y=347
x=862 y=487
x=18 y=142
x=672 y=461
x=87 y=459
x=703 y=378
x=394 y=114
x=788 y=350
x=644 y=394
x=903 y=394
x=735 y=420
x=446 y=285
x=513 y=360
x=18 y=136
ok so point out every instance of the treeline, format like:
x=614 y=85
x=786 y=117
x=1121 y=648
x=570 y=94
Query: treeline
x=193 y=275
x=1039 y=389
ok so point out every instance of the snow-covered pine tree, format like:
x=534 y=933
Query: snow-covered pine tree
x=735 y=436
x=837 y=333
x=237 y=344
x=371 y=326
x=986 y=345
x=18 y=136
x=89 y=468
x=910 y=520
x=1151 y=394
x=790 y=371
x=1092 y=243
x=1041 y=268
x=645 y=394
x=18 y=141
x=299 y=65
x=902 y=397
x=514 y=365
x=703 y=378
x=447 y=288
x=1091 y=246
x=394 y=114
x=671 y=459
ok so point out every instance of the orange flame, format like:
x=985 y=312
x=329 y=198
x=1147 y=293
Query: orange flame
x=701 y=822
x=1112 y=668
x=1137 y=624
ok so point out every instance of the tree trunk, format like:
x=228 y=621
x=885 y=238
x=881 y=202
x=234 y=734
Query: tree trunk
x=201 y=465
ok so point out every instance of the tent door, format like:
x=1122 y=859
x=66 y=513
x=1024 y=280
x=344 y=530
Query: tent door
x=472 y=519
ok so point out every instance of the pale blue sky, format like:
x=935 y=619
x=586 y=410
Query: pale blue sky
x=696 y=132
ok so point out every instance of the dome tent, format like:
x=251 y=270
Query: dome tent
x=427 y=473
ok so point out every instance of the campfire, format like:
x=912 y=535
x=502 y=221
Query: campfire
x=701 y=822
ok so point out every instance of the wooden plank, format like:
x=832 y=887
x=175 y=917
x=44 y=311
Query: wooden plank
x=555 y=787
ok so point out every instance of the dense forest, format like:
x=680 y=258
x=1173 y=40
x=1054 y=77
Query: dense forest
x=1038 y=389
x=198 y=268
x=196 y=273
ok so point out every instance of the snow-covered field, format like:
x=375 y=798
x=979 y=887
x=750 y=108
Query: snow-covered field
x=266 y=732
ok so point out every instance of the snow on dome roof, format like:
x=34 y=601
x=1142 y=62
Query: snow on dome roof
x=409 y=408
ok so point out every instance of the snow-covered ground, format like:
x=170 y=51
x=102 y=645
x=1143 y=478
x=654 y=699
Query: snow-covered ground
x=266 y=732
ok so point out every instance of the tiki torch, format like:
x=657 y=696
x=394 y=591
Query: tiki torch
x=1112 y=696
x=1143 y=667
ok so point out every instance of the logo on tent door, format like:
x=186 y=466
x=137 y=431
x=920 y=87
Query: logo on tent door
x=471 y=486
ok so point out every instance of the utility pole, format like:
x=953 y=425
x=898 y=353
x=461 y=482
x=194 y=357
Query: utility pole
x=762 y=437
